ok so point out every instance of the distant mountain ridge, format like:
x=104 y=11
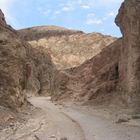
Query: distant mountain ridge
x=68 y=48
x=36 y=33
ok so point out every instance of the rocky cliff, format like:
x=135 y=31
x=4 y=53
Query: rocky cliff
x=128 y=20
x=67 y=48
x=96 y=79
x=12 y=63
x=2 y=19
x=23 y=69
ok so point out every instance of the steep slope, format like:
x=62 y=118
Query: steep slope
x=97 y=79
x=68 y=48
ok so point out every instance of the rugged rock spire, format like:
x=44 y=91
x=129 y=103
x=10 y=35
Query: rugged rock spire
x=2 y=19
x=128 y=20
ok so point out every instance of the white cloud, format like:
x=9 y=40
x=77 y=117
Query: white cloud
x=79 y=1
x=44 y=11
x=100 y=3
x=63 y=7
x=47 y=12
x=112 y=14
x=67 y=8
x=94 y=21
x=85 y=6
x=57 y=12
x=109 y=2
x=89 y=15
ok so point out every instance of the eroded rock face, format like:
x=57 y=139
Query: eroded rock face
x=97 y=79
x=128 y=20
x=4 y=25
x=67 y=48
x=41 y=72
x=2 y=19
x=12 y=60
x=23 y=70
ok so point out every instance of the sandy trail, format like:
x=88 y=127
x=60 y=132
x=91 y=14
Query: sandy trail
x=77 y=124
x=53 y=122
x=63 y=125
x=98 y=128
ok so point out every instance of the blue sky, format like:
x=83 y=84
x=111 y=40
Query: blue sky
x=85 y=15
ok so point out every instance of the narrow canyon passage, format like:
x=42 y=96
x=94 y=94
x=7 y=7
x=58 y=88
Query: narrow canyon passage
x=91 y=75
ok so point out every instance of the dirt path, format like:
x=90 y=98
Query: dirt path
x=98 y=128
x=77 y=124
x=63 y=125
x=53 y=122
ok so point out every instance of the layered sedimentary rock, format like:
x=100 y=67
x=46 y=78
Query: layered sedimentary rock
x=128 y=20
x=67 y=48
x=97 y=79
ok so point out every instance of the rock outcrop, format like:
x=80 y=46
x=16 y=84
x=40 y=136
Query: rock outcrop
x=128 y=20
x=2 y=19
x=12 y=63
x=97 y=79
x=23 y=69
x=67 y=48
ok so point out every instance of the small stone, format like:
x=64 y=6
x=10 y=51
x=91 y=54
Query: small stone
x=64 y=138
x=121 y=120
x=136 y=116
x=11 y=124
x=53 y=137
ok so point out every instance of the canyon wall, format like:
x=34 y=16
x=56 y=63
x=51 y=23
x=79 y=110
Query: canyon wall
x=96 y=80
x=12 y=63
x=128 y=20
x=24 y=71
